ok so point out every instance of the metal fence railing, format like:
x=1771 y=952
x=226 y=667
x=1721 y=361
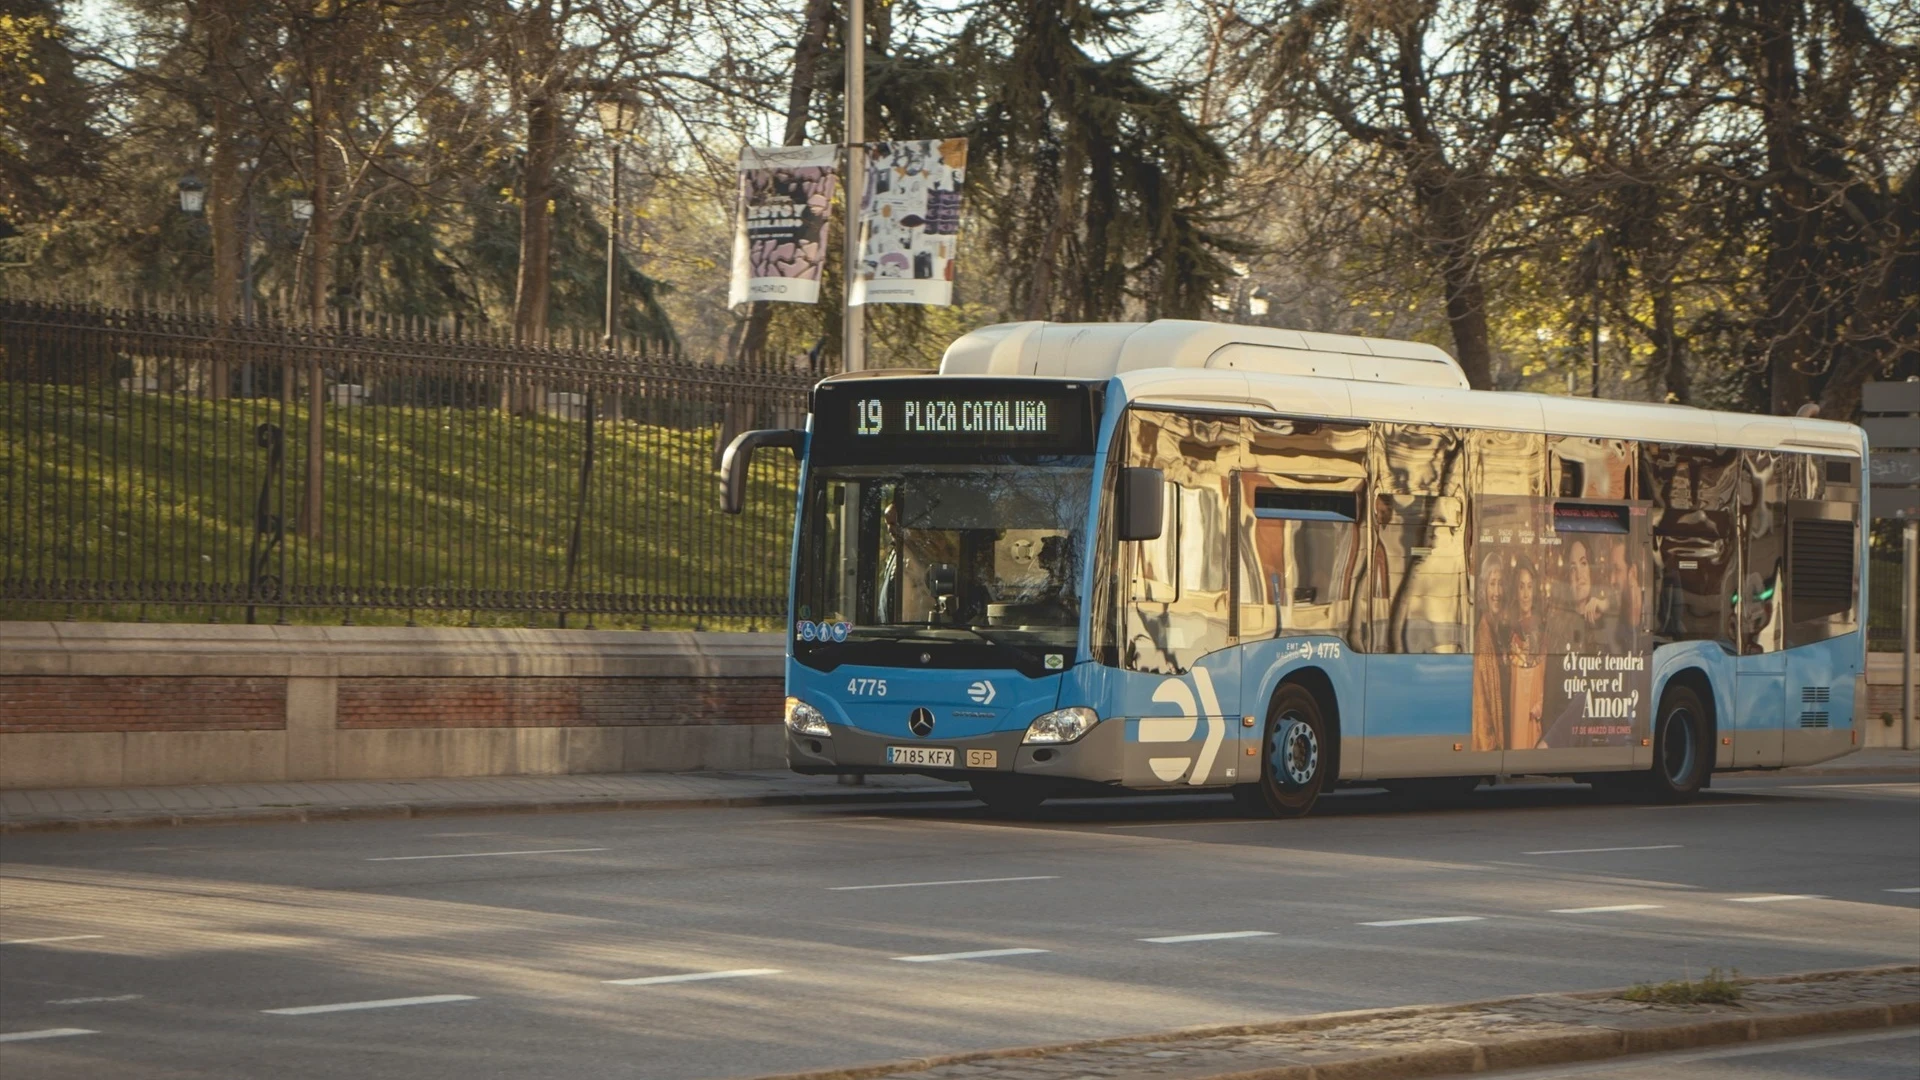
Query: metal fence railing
x=158 y=464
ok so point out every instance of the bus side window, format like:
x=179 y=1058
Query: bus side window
x=1694 y=497
x=1298 y=551
x=1759 y=604
x=1178 y=584
x=1419 y=575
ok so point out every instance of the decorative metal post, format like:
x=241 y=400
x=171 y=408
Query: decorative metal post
x=854 y=318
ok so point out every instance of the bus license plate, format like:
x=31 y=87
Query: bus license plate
x=937 y=756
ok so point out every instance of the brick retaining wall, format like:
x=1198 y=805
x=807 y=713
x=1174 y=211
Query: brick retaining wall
x=129 y=704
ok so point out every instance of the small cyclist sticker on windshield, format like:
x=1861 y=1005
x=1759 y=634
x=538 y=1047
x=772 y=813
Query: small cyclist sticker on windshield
x=805 y=630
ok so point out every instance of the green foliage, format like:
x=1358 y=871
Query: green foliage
x=133 y=486
x=1713 y=989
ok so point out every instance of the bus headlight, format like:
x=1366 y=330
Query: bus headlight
x=804 y=719
x=1061 y=725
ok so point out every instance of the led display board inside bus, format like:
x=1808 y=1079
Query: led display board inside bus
x=922 y=419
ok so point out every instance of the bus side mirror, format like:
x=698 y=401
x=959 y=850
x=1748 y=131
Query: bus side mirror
x=733 y=464
x=1142 y=503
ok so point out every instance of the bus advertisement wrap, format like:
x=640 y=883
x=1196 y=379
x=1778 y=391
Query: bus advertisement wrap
x=1562 y=648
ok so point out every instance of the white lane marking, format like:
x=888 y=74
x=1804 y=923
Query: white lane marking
x=1188 y=824
x=1774 y=898
x=982 y=954
x=1428 y=921
x=956 y=881
x=1599 y=910
x=1595 y=850
x=1904 y=890
x=45 y=1033
x=51 y=940
x=1179 y=939
x=94 y=1000
x=484 y=854
x=692 y=976
x=383 y=1003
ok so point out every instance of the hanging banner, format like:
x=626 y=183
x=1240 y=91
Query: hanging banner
x=780 y=229
x=910 y=222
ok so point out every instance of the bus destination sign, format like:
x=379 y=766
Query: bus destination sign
x=924 y=419
x=952 y=416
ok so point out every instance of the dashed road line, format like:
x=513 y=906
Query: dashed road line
x=1596 y=850
x=1429 y=921
x=95 y=1000
x=1904 y=890
x=1227 y=935
x=51 y=940
x=955 y=881
x=1773 y=898
x=692 y=976
x=981 y=954
x=485 y=854
x=1603 y=909
x=383 y=1003
x=45 y=1033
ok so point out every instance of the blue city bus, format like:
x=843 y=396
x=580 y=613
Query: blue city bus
x=1187 y=555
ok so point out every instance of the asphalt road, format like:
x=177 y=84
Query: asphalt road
x=677 y=944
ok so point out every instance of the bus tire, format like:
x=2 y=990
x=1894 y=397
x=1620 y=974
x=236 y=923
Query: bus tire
x=1682 y=754
x=1009 y=796
x=1294 y=756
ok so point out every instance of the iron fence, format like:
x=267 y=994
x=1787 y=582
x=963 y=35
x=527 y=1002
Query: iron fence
x=162 y=462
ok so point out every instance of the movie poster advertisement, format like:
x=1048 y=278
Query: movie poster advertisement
x=780 y=230
x=910 y=222
x=1562 y=652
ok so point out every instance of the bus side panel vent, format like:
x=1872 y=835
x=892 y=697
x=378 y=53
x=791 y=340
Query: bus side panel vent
x=1822 y=569
x=1813 y=719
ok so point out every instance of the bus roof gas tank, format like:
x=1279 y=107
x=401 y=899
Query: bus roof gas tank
x=1103 y=350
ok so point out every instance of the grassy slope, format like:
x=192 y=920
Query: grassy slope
x=115 y=486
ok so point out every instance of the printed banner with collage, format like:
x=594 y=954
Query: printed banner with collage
x=910 y=222
x=780 y=231
x=1561 y=642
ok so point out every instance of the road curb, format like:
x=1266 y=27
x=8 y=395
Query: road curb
x=388 y=811
x=1598 y=1043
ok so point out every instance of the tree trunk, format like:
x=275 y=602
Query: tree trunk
x=319 y=283
x=223 y=188
x=1046 y=267
x=1467 y=316
x=536 y=219
x=1667 y=371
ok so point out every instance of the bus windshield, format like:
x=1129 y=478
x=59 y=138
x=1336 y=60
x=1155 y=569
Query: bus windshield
x=944 y=554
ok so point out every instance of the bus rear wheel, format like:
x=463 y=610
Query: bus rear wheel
x=1682 y=754
x=1294 y=757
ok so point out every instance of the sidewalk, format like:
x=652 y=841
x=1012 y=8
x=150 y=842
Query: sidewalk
x=342 y=800
x=1444 y=1040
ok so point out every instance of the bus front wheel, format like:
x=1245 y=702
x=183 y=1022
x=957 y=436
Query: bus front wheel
x=1294 y=757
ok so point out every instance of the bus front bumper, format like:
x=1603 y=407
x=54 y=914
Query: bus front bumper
x=1097 y=756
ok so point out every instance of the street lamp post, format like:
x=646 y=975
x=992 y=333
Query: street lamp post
x=618 y=114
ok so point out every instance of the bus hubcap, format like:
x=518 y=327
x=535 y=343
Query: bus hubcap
x=1678 y=746
x=1295 y=752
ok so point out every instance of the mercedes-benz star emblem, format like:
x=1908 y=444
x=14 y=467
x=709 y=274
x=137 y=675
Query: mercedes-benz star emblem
x=921 y=721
